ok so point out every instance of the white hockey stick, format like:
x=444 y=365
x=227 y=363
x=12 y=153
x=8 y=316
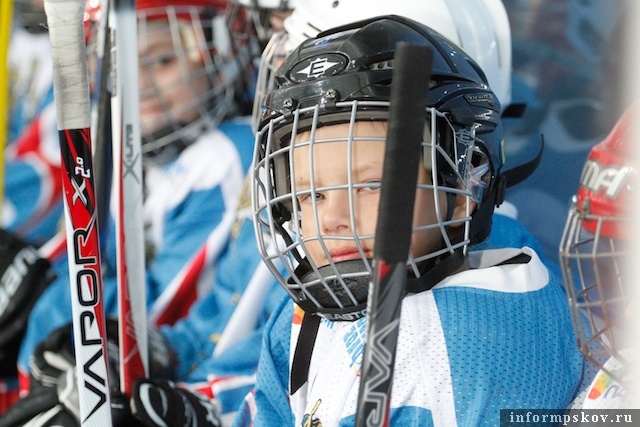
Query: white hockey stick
x=71 y=93
x=128 y=192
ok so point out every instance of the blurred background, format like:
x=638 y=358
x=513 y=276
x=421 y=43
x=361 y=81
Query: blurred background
x=567 y=69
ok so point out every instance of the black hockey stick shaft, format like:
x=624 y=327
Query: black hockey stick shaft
x=101 y=123
x=410 y=81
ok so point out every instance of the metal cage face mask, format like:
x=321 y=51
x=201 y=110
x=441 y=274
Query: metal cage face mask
x=325 y=266
x=188 y=69
x=593 y=269
x=271 y=58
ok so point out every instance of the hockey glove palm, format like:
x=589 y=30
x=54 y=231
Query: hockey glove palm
x=161 y=403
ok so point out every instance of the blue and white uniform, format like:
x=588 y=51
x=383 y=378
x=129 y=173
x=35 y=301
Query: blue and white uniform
x=32 y=206
x=185 y=201
x=492 y=337
x=227 y=373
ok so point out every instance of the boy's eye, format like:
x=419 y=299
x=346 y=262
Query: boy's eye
x=307 y=197
x=369 y=186
x=161 y=60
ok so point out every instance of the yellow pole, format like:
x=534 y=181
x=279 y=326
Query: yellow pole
x=5 y=36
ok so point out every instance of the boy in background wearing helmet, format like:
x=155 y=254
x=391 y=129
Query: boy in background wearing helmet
x=596 y=257
x=194 y=159
x=493 y=333
x=232 y=239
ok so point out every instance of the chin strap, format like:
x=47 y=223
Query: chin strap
x=521 y=172
x=303 y=352
x=436 y=274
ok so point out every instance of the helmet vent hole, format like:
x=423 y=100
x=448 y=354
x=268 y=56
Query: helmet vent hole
x=335 y=4
x=382 y=65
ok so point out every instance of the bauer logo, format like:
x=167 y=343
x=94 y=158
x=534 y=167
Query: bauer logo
x=317 y=67
x=14 y=275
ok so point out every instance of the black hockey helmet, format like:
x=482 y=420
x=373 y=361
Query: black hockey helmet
x=345 y=75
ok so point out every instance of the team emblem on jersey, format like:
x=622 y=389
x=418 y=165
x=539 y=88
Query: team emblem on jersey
x=605 y=387
x=316 y=67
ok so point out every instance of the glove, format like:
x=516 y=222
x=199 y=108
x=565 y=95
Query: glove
x=53 y=384
x=55 y=355
x=39 y=409
x=45 y=408
x=161 y=403
x=53 y=395
x=23 y=278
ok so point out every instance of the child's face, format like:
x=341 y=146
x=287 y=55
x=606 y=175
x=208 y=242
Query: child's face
x=334 y=223
x=170 y=79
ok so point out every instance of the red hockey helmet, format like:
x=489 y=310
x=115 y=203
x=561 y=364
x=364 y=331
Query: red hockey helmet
x=596 y=247
x=606 y=185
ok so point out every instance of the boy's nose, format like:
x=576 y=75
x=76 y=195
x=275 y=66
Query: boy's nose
x=336 y=213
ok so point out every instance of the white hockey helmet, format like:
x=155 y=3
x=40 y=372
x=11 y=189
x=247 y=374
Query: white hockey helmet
x=480 y=27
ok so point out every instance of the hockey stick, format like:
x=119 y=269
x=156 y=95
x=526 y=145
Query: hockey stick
x=5 y=40
x=71 y=94
x=127 y=171
x=411 y=74
x=101 y=123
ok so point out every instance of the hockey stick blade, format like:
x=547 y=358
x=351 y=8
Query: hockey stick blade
x=71 y=95
x=410 y=80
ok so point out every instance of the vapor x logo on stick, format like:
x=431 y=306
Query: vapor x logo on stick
x=65 y=19
x=85 y=272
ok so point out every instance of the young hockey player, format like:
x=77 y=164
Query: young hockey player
x=193 y=164
x=481 y=28
x=596 y=254
x=480 y=331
